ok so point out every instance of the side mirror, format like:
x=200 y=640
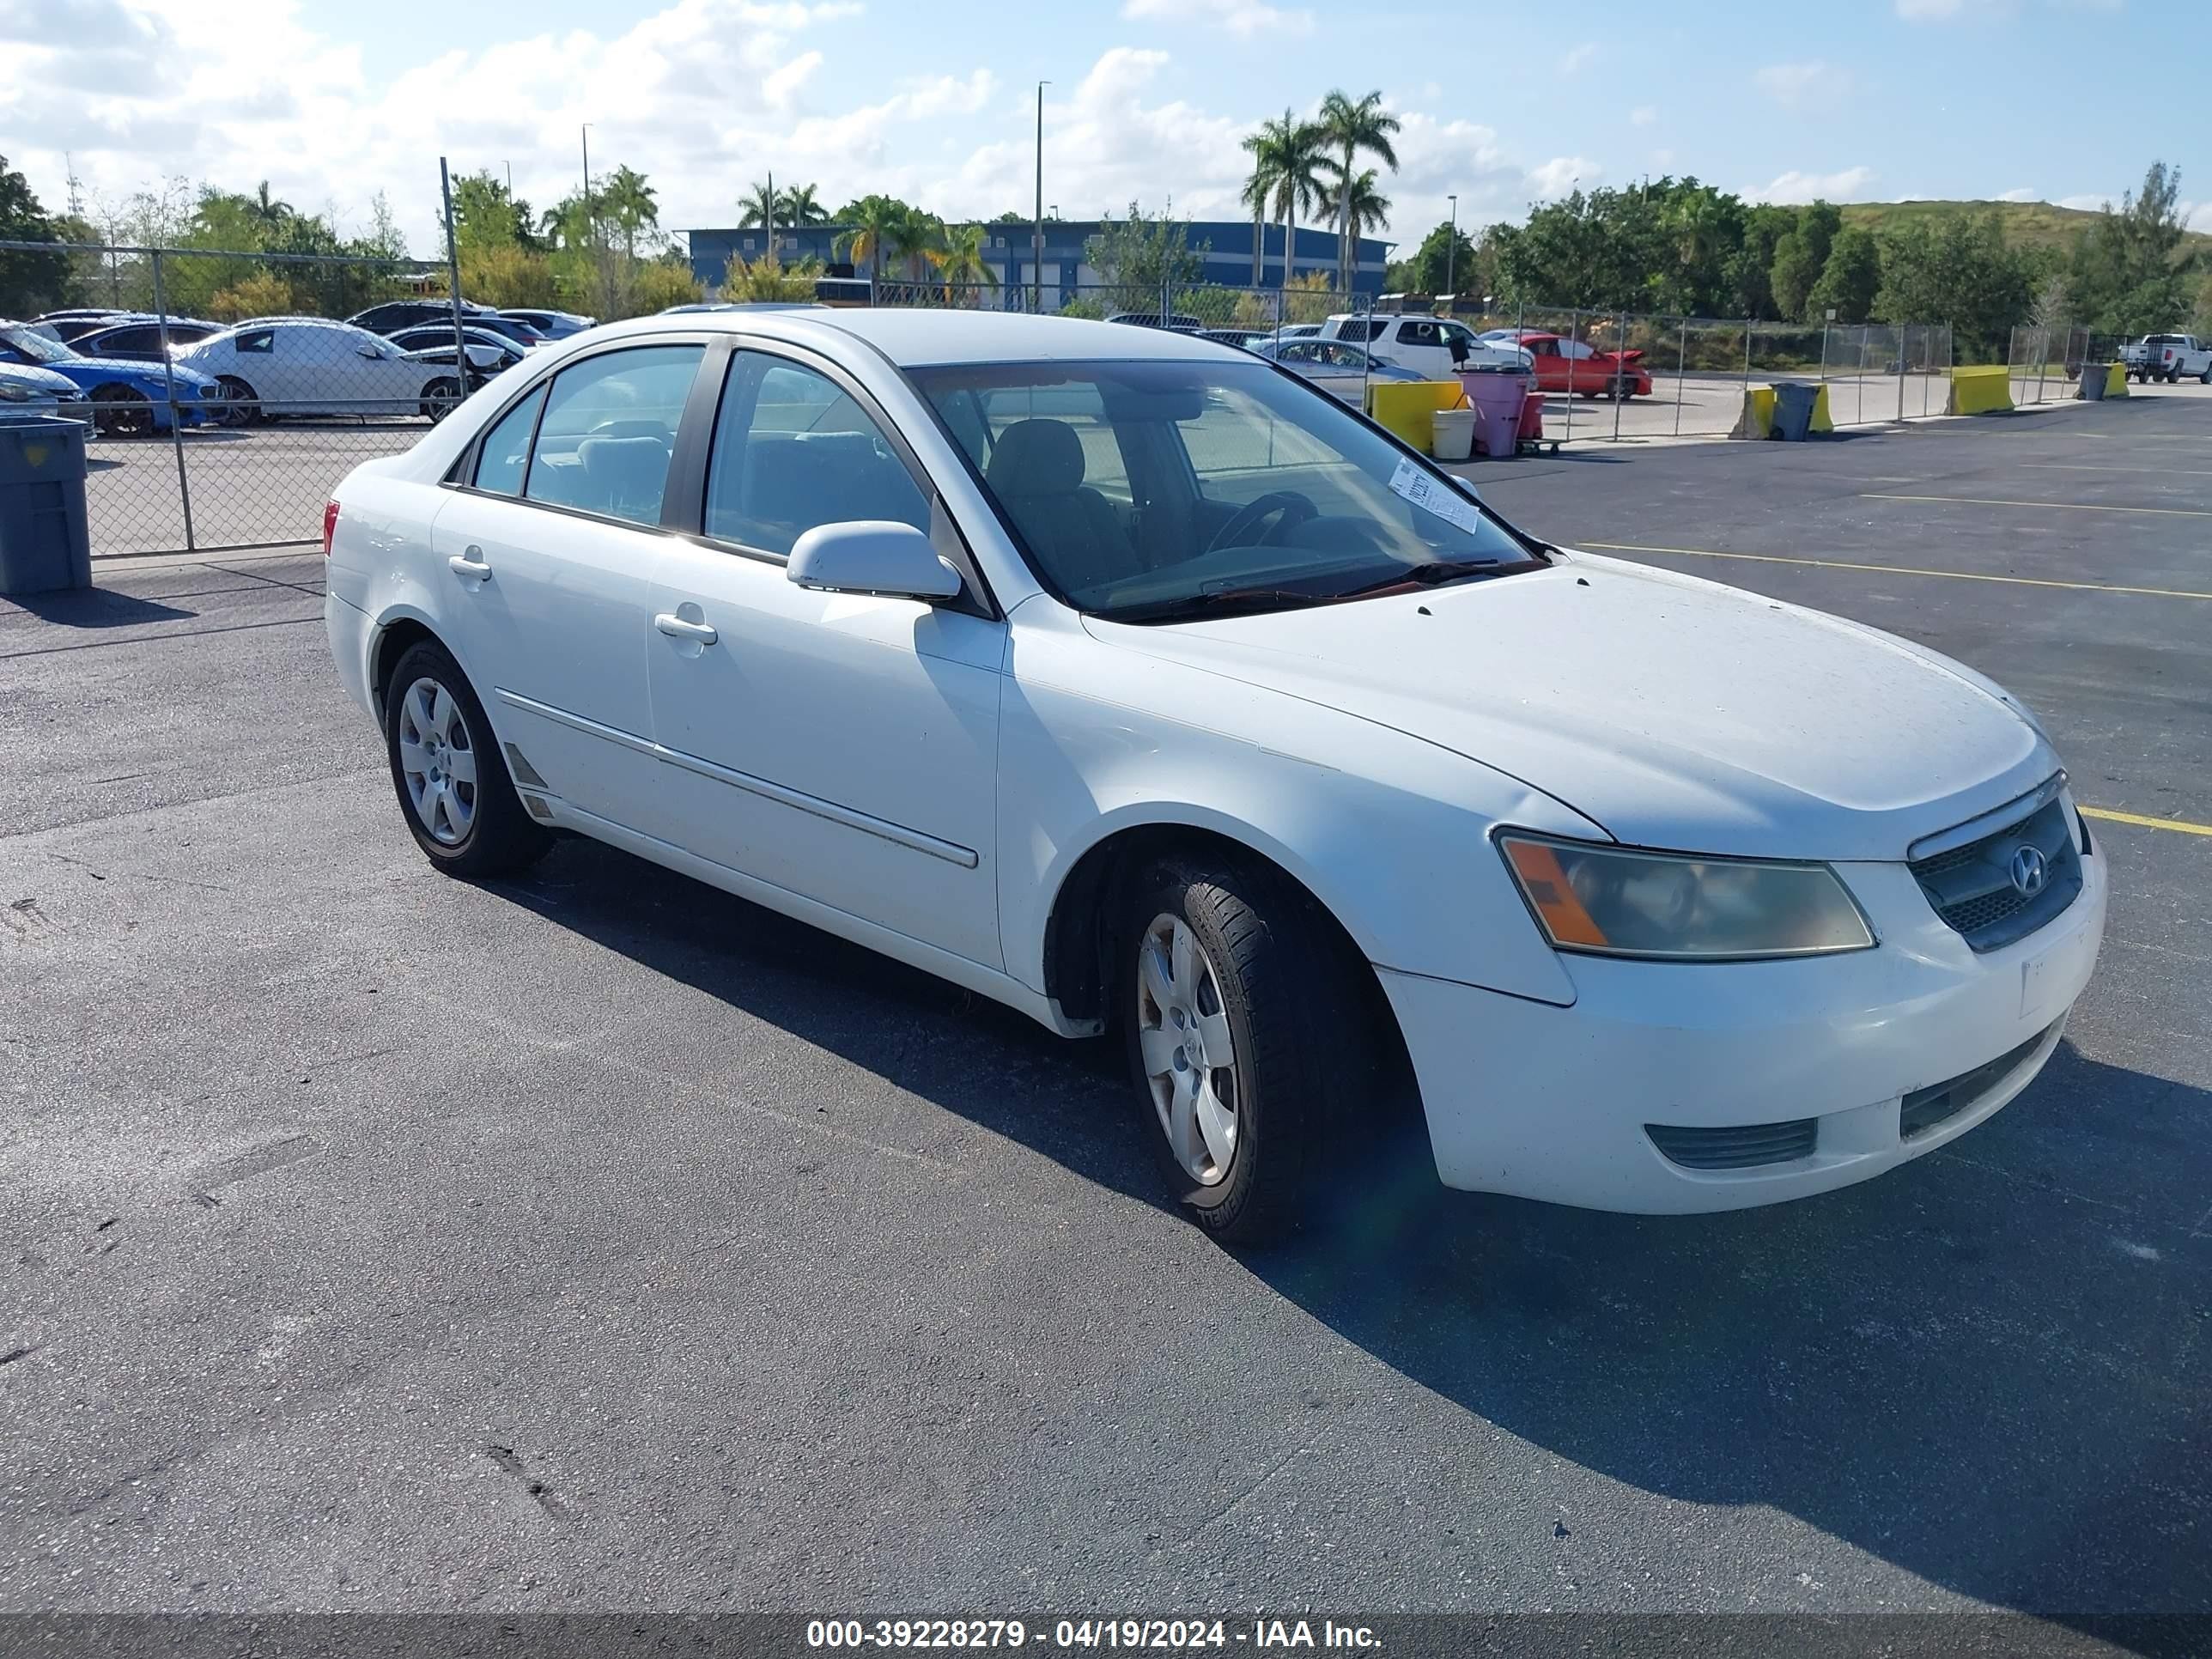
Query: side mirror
x=872 y=556
x=375 y=354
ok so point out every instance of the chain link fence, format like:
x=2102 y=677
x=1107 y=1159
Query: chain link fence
x=2046 y=360
x=229 y=391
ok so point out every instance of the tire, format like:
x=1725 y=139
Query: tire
x=1270 y=974
x=241 y=404
x=475 y=827
x=2205 y=378
x=439 y=399
x=119 y=412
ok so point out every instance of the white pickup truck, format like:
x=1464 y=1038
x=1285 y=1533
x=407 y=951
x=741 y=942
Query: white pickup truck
x=2167 y=357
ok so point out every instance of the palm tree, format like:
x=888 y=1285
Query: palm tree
x=1360 y=207
x=912 y=237
x=268 y=213
x=960 y=261
x=632 y=204
x=759 y=206
x=872 y=219
x=797 y=207
x=1288 y=153
x=1348 y=128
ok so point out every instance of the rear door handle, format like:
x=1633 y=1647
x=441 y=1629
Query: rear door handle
x=677 y=629
x=469 y=563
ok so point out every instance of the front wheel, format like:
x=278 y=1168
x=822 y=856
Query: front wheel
x=453 y=787
x=119 y=412
x=241 y=406
x=439 y=399
x=1248 y=1039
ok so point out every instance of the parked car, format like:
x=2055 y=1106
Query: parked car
x=1242 y=338
x=1437 y=347
x=128 y=399
x=28 y=391
x=310 y=366
x=1174 y=320
x=553 y=324
x=1569 y=365
x=489 y=353
x=1298 y=331
x=393 y=315
x=1157 y=713
x=69 y=325
x=2167 y=357
x=140 y=339
x=1342 y=371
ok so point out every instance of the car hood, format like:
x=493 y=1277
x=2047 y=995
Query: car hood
x=1672 y=711
x=38 y=380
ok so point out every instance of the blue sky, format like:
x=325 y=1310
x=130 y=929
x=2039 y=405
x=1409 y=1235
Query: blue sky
x=1870 y=99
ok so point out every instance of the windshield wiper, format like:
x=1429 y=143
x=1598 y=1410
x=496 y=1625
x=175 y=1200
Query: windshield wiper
x=1227 y=600
x=1431 y=573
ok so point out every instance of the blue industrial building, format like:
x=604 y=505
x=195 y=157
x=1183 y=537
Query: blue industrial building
x=1224 y=248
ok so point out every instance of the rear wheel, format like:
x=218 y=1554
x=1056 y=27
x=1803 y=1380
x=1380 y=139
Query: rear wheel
x=453 y=787
x=1248 y=1041
x=439 y=399
x=119 y=412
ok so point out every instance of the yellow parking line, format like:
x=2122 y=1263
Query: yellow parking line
x=1897 y=570
x=2066 y=507
x=2181 y=825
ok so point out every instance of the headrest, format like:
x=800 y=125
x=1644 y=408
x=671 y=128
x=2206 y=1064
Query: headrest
x=1036 y=458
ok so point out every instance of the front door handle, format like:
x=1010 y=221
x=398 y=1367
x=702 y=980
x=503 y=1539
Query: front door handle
x=469 y=563
x=677 y=629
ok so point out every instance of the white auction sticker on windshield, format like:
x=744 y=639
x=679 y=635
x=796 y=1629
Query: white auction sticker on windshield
x=1431 y=496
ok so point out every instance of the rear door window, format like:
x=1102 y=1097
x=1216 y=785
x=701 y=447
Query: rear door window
x=610 y=430
x=504 y=456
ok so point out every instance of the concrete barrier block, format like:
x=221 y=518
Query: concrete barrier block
x=1979 y=390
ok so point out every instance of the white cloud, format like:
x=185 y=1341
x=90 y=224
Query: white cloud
x=2086 y=203
x=1562 y=174
x=1241 y=18
x=1850 y=185
x=1578 y=56
x=2025 y=193
x=1643 y=115
x=782 y=85
x=1797 y=86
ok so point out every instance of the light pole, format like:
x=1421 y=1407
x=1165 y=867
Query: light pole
x=1451 y=243
x=1037 y=239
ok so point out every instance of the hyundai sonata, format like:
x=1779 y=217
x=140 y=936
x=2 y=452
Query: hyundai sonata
x=1123 y=677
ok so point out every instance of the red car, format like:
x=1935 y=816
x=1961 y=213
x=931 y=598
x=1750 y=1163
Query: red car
x=1568 y=365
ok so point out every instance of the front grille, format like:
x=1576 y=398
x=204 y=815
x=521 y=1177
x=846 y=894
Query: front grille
x=1939 y=1102
x=1742 y=1147
x=1971 y=887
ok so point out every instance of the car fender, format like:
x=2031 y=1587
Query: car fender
x=1387 y=831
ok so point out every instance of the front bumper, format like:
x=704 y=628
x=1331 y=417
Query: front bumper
x=1551 y=1102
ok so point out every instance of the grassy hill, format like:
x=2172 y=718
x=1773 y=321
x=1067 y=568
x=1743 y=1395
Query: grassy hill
x=2028 y=224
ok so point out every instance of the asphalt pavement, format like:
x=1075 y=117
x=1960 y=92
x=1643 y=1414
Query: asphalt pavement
x=596 y=1239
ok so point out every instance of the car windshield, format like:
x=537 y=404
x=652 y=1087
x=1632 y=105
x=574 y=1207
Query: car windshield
x=1147 y=490
x=37 y=345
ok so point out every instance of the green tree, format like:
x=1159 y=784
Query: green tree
x=29 y=283
x=485 y=215
x=1849 y=281
x=1288 y=153
x=912 y=236
x=1751 y=283
x=633 y=206
x=869 y=223
x=2128 y=274
x=759 y=206
x=1964 y=275
x=1443 y=262
x=1359 y=205
x=960 y=262
x=799 y=208
x=1349 y=130
x=1144 y=258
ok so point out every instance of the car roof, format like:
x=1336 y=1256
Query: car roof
x=914 y=339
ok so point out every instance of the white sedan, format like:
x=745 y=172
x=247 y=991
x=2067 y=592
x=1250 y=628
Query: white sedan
x=272 y=365
x=1127 y=680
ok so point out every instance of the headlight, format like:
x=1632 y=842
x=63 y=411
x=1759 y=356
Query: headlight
x=15 y=394
x=1610 y=901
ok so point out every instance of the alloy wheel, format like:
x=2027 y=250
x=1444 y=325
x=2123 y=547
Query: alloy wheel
x=1189 y=1055
x=437 y=757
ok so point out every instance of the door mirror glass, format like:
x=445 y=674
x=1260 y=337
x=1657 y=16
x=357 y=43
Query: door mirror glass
x=872 y=556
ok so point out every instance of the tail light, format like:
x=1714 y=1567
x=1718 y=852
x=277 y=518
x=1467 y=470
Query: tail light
x=330 y=525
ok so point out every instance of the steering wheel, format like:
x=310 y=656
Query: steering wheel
x=1295 y=508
